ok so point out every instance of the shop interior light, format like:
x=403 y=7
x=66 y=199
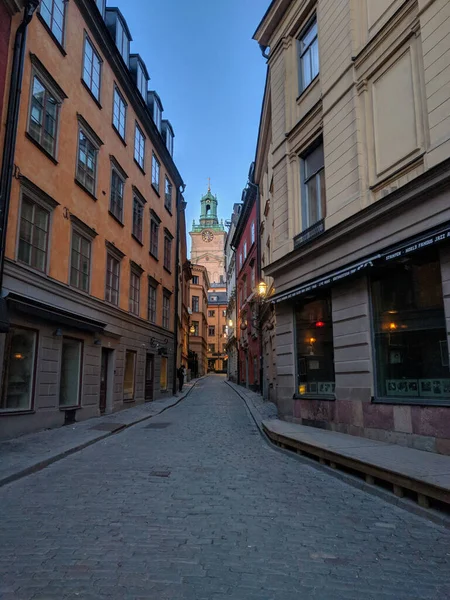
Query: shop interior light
x=320 y=324
x=393 y=326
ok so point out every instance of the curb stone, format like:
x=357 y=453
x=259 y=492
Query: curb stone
x=40 y=465
x=403 y=503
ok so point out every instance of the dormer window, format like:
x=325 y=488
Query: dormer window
x=101 y=6
x=168 y=135
x=156 y=108
x=119 y=31
x=140 y=74
x=122 y=41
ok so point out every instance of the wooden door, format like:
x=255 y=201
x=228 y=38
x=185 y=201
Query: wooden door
x=149 y=373
x=103 y=380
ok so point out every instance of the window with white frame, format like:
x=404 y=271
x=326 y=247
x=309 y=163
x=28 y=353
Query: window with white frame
x=119 y=113
x=154 y=234
x=92 y=68
x=44 y=115
x=167 y=252
x=313 y=187
x=157 y=114
x=86 y=173
x=53 y=13
x=141 y=81
x=138 y=218
x=252 y=229
x=195 y=303
x=117 y=192
x=122 y=41
x=155 y=171
x=168 y=195
x=166 y=310
x=245 y=250
x=309 y=55
x=135 y=292
x=80 y=263
x=112 y=279
x=139 y=146
x=152 y=291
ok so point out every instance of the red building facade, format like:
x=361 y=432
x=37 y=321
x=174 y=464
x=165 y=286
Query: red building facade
x=245 y=243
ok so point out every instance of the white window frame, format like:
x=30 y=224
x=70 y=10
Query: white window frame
x=308 y=54
x=122 y=41
x=305 y=180
x=139 y=146
x=119 y=119
x=156 y=172
x=50 y=10
x=89 y=81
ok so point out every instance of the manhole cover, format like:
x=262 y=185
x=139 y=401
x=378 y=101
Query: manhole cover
x=109 y=427
x=159 y=473
x=157 y=425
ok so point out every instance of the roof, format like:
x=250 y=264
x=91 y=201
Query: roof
x=222 y=298
x=114 y=9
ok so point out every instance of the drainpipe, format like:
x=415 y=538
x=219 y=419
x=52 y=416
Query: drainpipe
x=180 y=206
x=9 y=147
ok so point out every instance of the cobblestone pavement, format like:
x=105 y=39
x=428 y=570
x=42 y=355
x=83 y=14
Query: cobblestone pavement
x=201 y=508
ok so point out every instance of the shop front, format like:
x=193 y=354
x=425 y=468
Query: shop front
x=370 y=345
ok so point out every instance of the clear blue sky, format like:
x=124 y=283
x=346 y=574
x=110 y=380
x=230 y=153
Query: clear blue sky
x=210 y=76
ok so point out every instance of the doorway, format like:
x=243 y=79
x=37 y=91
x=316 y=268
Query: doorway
x=104 y=380
x=149 y=377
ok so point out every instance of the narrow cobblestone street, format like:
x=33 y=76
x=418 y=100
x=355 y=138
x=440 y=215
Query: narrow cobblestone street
x=194 y=504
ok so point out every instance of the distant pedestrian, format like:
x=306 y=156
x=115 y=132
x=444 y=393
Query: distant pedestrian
x=180 y=374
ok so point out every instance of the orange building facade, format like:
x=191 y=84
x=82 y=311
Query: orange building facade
x=198 y=327
x=217 y=329
x=90 y=267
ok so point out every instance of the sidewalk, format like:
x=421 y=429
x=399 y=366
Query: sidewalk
x=406 y=469
x=35 y=451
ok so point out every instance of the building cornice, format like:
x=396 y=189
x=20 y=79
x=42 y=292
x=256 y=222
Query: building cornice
x=13 y=6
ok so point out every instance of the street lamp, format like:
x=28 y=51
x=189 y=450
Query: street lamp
x=262 y=289
x=230 y=323
x=192 y=329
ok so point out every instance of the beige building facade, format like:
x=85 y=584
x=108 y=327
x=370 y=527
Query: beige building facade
x=359 y=146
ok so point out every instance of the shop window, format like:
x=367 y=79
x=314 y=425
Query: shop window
x=163 y=375
x=128 y=380
x=18 y=376
x=315 y=351
x=411 y=350
x=70 y=381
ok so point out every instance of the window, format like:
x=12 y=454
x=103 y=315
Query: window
x=33 y=234
x=141 y=81
x=169 y=141
x=157 y=114
x=92 y=68
x=116 y=199
x=18 y=375
x=167 y=253
x=196 y=327
x=252 y=233
x=411 y=349
x=122 y=41
x=314 y=197
x=138 y=218
x=309 y=56
x=213 y=298
x=211 y=313
x=154 y=234
x=112 y=279
x=119 y=113
x=44 y=114
x=195 y=303
x=211 y=331
x=253 y=278
x=70 y=378
x=80 y=264
x=139 y=146
x=87 y=162
x=168 y=195
x=52 y=11
x=195 y=280
x=166 y=311
x=245 y=250
x=224 y=329
x=224 y=313
x=152 y=291
x=101 y=6
x=155 y=172
x=315 y=350
x=163 y=374
x=211 y=348
x=129 y=374
x=244 y=288
x=135 y=292
x=240 y=260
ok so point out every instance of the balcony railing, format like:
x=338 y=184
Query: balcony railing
x=309 y=234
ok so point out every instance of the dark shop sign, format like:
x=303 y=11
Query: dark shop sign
x=419 y=243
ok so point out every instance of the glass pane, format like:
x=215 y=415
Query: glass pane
x=19 y=374
x=310 y=35
x=306 y=69
x=41 y=218
x=314 y=162
x=69 y=389
x=315 y=59
x=312 y=206
x=410 y=334
x=128 y=382
x=315 y=351
x=24 y=253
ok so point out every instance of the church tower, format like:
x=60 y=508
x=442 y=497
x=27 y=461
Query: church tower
x=208 y=239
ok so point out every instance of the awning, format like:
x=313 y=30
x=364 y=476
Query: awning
x=48 y=312
x=326 y=280
x=419 y=242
